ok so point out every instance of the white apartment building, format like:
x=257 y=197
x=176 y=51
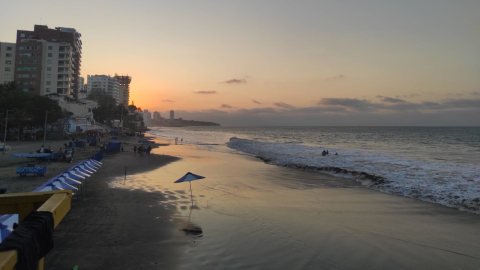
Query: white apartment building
x=7 y=62
x=51 y=74
x=82 y=90
x=105 y=83
x=147 y=118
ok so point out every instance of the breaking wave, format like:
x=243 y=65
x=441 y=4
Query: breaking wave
x=452 y=185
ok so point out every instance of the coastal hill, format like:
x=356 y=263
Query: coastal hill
x=180 y=123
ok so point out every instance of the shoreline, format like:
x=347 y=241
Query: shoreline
x=295 y=219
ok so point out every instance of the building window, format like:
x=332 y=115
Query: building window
x=49 y=75
x=50 y=48
x=9 y=48
x=49 y=54
x=47 y=90
x=22 y=35
x=49 y=82
x=49 y=69
x=8 y=62
x=49 y=61
x=8 y=69
x=21 y=48
x=7 y=76
x=8 y=55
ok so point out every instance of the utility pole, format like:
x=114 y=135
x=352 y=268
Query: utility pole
x=45 y=128
x=5 y=135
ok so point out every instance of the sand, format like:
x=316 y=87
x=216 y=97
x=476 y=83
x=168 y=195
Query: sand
x=250 y=215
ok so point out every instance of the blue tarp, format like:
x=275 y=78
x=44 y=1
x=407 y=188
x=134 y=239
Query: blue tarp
x=146 y=142
x=114 y=146
x=77 y=144
x=98 y=156
x=27 y=155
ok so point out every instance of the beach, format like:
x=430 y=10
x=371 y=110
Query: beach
x=250 y=215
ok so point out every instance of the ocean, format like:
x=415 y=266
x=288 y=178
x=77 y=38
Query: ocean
x=434 y=164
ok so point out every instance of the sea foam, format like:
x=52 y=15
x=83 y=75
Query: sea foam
x=452 y=185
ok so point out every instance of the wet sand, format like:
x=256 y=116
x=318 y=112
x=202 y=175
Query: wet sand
x=250 y=215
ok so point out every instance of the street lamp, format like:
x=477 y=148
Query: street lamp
x=45 y=128
x=5 y=136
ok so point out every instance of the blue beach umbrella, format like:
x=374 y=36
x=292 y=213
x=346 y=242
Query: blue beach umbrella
x=59 y=183
x=4 y=231
x=6 y=225
x=189 y=177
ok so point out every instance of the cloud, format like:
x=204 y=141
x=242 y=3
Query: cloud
x=352 y=103
x=206 y=92
x=235 y=81
x=454 y=94
x=345 y=111
x=167 y=100
x=379 y=96
x=284 y=105
x=256 y=102
x=475 y=93
x=392 y=100
x=462 y=103
x=414 y=95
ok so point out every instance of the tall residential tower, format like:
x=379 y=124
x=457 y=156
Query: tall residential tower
x=7 y=62
x=124 y=82
x=48 y=60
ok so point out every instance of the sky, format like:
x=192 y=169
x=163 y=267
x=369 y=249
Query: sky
x=250 y=63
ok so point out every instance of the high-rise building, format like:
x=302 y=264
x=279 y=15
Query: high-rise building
x=7 y=62
x=105 y=83
x=82 y=91
x=172 y=115
x=156 y=116
x=48 y=60
x=124 y=92
x=147 y=117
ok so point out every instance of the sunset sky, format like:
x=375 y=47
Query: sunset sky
x=332 y=62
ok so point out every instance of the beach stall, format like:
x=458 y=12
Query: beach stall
x=113 y=146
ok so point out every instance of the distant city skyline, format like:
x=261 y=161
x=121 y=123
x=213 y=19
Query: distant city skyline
x=280 y=62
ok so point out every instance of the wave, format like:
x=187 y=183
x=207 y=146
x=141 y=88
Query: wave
x=452 y=185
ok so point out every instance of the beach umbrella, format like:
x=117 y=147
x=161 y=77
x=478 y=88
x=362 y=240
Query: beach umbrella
x=69 y=180
x=48 y=187
x=63 y=185
x=72 y=177
x=189 y=177
x=6 y=225
x=88 y=167
x=4 y=231
x=84 y=169
x=80 y=172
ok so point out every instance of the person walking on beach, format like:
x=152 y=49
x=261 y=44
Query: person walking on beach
x=176 y=140
x=181 y=141
x=135 y=150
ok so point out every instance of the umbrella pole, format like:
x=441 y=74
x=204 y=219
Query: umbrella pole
x=191 y=195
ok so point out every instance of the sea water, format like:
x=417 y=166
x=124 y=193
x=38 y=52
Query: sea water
x=434 y=164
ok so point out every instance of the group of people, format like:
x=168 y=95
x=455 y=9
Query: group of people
x=66 y=155
x=141 y=149
x=324 y=153
x=176 y=140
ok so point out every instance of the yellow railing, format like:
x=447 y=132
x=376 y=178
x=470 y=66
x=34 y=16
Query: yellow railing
x=57 y=202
